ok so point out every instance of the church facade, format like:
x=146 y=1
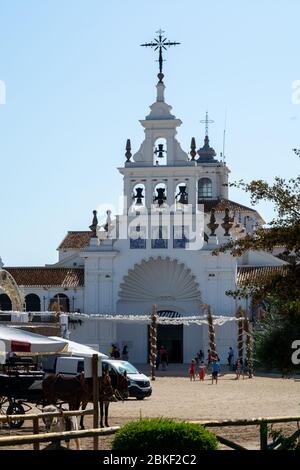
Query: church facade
x=160 y=250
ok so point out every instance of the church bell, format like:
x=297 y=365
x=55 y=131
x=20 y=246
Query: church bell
x=183 y=196
x=139 y=196
x=161 y=197
x=160 y=151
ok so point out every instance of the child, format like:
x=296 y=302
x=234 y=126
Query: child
x=202 y=370
x=239 y=364
x=215 y=371
x=192 y=370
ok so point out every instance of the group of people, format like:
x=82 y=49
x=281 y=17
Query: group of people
x=240 y=366
x=213 y=362
x=115 y=352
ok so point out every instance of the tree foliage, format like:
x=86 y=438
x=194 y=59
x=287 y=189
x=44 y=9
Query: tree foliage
x=280 y=291
x=273 y=340
x=283 y=231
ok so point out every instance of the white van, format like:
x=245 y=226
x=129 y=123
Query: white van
x=139 y=385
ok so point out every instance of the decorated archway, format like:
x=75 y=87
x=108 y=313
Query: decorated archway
x=9 y=286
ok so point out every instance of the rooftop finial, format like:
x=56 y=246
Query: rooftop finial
x=94 y=225
x=193 y=152
x=160 y=43
x=128 y=153
x=206 y=153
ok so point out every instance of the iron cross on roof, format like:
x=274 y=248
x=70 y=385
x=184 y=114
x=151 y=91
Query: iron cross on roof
x=160 y=43
x=206 y=121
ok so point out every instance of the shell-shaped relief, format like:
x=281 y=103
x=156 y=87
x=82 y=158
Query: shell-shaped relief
x=159 y=279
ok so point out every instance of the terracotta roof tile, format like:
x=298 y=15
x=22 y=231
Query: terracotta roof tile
x=47 y=277
x=254 y=274
x=221 y=204
x=75 y=240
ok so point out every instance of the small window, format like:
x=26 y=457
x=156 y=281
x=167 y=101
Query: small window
x=159 y=237
x=80 y=367
x=204 y=188
x=137 y=237
x=180 y=236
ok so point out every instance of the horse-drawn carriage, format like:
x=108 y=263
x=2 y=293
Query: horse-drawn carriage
x=20 y=387
x=24 y=385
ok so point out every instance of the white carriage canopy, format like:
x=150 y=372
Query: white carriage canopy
x=77 y=349
x=20 y=342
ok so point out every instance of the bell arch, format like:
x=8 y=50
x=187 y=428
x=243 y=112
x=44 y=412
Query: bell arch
x=9 y=286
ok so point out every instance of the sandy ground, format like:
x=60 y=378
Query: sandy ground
x=176 y=397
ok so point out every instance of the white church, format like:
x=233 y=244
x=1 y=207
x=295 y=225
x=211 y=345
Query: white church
x=176 y=212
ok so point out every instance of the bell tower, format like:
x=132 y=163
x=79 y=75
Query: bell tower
x=160 y=173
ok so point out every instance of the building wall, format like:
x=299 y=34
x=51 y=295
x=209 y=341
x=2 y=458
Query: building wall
x=102 y=333
x=45 y=294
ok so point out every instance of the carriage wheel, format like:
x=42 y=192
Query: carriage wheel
x=3 y=405
x=15 y=408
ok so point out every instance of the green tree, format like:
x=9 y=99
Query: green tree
x=283 y=231
x=280 y=291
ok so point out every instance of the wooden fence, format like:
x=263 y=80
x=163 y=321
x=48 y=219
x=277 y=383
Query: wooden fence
x=36 y=438
x=263 y=430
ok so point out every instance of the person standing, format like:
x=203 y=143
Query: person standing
x=239 y=365
x=230 y=358
x=125 y=353
x=163 y=358
x=215 y=371
x=202 y=370
x=192 y=370
x=111 y=349
x=200 y=356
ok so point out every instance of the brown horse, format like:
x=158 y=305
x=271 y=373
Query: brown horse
x=119 y=387
x=77 y=390
x=72 y=390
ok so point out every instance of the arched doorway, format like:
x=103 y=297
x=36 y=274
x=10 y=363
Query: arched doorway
x=171 y=337
x=5 y=303
x=60 y=303
x=32 y=303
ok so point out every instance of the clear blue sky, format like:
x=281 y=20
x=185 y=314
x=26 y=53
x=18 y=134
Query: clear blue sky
x=77 y=82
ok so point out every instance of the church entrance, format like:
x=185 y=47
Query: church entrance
x=171 y=337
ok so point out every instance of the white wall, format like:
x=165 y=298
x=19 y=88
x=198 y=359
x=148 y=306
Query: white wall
x=136 y=337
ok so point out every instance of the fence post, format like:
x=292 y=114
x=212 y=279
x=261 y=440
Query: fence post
x=263 y=429
x=36 y=445
x=95 y=397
